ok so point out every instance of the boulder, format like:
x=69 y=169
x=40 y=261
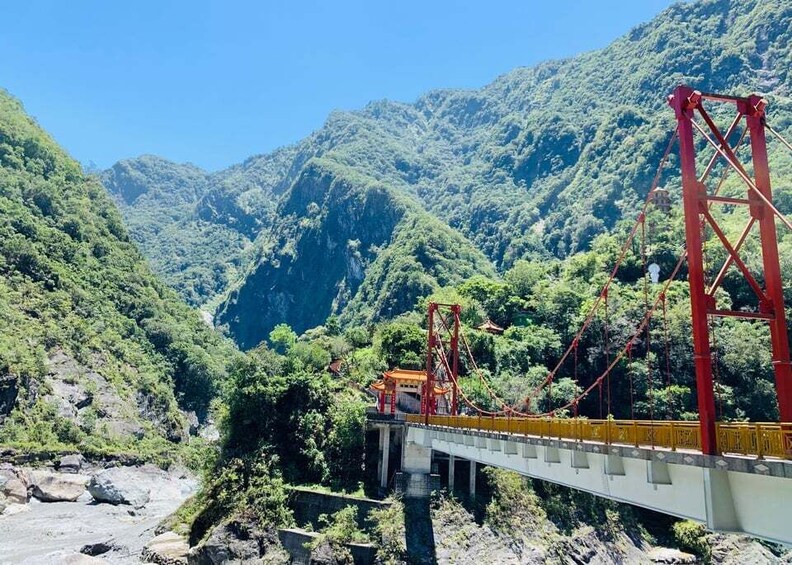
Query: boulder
x=70 y=463
x=167 y=549
x=730 y=549
x=58 y=487
x=118 y=485
x=3 y=503
x=99 y=548
x=14 y=485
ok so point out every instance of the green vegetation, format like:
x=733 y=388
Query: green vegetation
x=285 y=420
x=158 y=200
x=338 y=530
x=389 y=530
x=691 y=536
x=358 y=248
x=95 y=352
x=512 y=201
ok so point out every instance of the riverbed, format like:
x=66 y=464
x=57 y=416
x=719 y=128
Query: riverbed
x=55 y=532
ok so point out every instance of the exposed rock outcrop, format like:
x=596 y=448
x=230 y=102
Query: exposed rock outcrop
x=82 y=394
x=668 y=556
x=238 y=540
x=70 y=463
x=9 y=390
x=736 y=550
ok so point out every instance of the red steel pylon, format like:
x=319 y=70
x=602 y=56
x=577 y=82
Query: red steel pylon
x=687 y=103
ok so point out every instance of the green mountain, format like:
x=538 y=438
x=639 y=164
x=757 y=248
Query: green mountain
x=534 y=165
x=196 y=228
x=95 y=351
x=345 y=244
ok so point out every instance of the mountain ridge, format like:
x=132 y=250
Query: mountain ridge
x=541 y=160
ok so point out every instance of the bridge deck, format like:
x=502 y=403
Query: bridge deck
x=758 y=439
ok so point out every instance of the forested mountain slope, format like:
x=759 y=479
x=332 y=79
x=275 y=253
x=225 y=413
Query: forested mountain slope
x=345 y=243
x=95 y=352
x=534 y=165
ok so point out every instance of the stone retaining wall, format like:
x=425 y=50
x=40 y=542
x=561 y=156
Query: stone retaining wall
x=308 y=505
x=294 y=541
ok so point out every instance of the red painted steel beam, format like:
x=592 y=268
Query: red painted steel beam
x=729 y=200
x=428 y=388
x=727 y=263
x=722 y=97
x=456 y=309
x=755 y=117
x=744 y=315
x=684 y=101
x=716 y=155
x=737 y=261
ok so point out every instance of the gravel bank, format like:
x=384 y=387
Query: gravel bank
x=53 y=532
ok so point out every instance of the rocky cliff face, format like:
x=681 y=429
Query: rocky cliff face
x=331 y=232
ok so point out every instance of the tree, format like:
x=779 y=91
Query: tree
x=282 y=338
x=402 y=345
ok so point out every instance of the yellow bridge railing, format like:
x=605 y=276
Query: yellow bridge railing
x=759 y=439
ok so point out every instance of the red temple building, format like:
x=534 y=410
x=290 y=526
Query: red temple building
x=402 y=382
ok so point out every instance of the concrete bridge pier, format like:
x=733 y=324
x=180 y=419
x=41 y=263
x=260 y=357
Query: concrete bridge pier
x=384 y=447
x=453 y=460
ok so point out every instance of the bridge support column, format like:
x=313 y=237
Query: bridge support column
x=451 y=461
x=385 y=448
x=417 y=452
x=472 y=479
x=721 y=515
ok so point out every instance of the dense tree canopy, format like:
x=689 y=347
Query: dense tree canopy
x=73 y=286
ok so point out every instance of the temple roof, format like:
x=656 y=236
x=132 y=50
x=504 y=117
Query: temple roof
x=379 y=386
x=405 y=375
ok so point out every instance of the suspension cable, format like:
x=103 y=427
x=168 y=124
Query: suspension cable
x=592 y=311
x=638 y=331
x=507 y=408
x=468 y=401
x=778 y=136
x=669 y=393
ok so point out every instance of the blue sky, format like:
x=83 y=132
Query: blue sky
x=213 y=82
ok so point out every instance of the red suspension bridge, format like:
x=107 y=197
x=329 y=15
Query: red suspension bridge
x=700 y=193
x=732 y=476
